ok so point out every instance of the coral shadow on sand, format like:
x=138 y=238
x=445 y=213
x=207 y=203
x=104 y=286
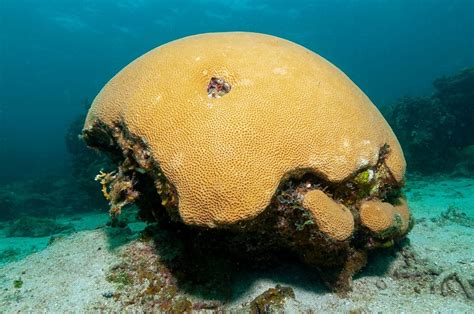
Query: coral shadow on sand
x=166 y=271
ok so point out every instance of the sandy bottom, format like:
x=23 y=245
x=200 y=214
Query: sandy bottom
x=70 y=273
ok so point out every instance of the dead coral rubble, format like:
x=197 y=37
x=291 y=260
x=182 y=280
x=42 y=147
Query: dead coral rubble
x=421 y=275
x=466 y=281
x=454 y=215
x=272 y=300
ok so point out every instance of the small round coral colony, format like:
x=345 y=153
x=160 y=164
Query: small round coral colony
x=263 y=140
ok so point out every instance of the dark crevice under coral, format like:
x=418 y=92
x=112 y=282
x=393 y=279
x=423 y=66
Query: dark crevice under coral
x=284 y=227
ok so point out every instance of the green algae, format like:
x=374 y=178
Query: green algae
x=18 y=283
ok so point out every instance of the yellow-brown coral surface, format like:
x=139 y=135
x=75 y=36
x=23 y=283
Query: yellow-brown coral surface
x=380 y=216
x=288 y=109
x=377 y=216
x=332 y=218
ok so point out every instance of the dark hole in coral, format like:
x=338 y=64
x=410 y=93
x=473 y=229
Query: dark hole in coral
x=217 y=87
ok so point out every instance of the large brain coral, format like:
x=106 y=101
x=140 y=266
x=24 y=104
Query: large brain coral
x=230 y=129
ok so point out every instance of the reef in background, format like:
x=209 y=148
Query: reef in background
x=436 y=132
x=55 y=194
x=85 y=165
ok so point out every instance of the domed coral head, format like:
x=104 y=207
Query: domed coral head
x=225 y=117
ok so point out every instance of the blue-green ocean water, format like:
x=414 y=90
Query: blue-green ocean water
x=56 y=55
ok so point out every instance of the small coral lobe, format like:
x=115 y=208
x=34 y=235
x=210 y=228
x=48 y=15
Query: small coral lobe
x=217 y=87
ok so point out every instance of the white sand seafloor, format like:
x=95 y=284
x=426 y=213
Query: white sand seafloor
x=70 y=274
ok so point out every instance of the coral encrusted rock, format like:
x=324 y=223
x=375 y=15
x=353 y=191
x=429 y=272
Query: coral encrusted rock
x=231 y=131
